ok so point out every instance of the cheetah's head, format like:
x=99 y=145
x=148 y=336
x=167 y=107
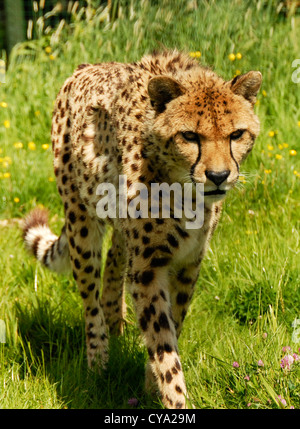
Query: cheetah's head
x=205 y=127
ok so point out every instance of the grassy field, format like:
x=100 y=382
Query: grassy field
x=242 y=318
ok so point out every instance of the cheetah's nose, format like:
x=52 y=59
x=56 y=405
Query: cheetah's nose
x=217 y=177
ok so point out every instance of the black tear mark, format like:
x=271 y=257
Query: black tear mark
x=237 y=165
x=197 y=160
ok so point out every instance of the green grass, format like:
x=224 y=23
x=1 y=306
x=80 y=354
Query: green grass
x=247 y=295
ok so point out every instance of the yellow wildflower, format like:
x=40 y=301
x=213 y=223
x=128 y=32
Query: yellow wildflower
x=196 y=54
x=18 y=145
x=231 y=57
x=48 y=49
x=51 y=179
x=293 y=152
x=280 y=146
x=37 y=113
x=6 y=123
x=237 y=72
x=16 y=200
x=6 y=175
x=296 y=173
x=7 y=159
x=271 y=133
x=239 y=56
x=270 y=147
x=277 y=156
x=31 y=146
x=268 y=171
x=45 y=146
x=264 y=93
x=3 y=104
x=257 y=103
x=298 y=123
x=52 y=57
x=285 y=145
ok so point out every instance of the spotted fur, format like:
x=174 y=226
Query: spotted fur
x=163 y=119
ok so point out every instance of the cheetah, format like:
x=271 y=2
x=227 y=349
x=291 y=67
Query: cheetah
x=163 y=119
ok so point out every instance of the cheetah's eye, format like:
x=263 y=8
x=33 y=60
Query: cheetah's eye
x=236 y=134
x=190 y=136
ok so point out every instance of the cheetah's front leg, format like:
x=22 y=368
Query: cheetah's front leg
x=153 y=308
x=181 y=291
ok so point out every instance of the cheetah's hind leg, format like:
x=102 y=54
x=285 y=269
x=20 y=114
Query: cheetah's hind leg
x=85 y=253
x=113 y=293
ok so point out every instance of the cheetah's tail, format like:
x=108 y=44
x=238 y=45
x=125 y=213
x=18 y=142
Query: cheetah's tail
x=51 y=250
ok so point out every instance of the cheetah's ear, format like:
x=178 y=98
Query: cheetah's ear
x=163 y=89
x=247 y=85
